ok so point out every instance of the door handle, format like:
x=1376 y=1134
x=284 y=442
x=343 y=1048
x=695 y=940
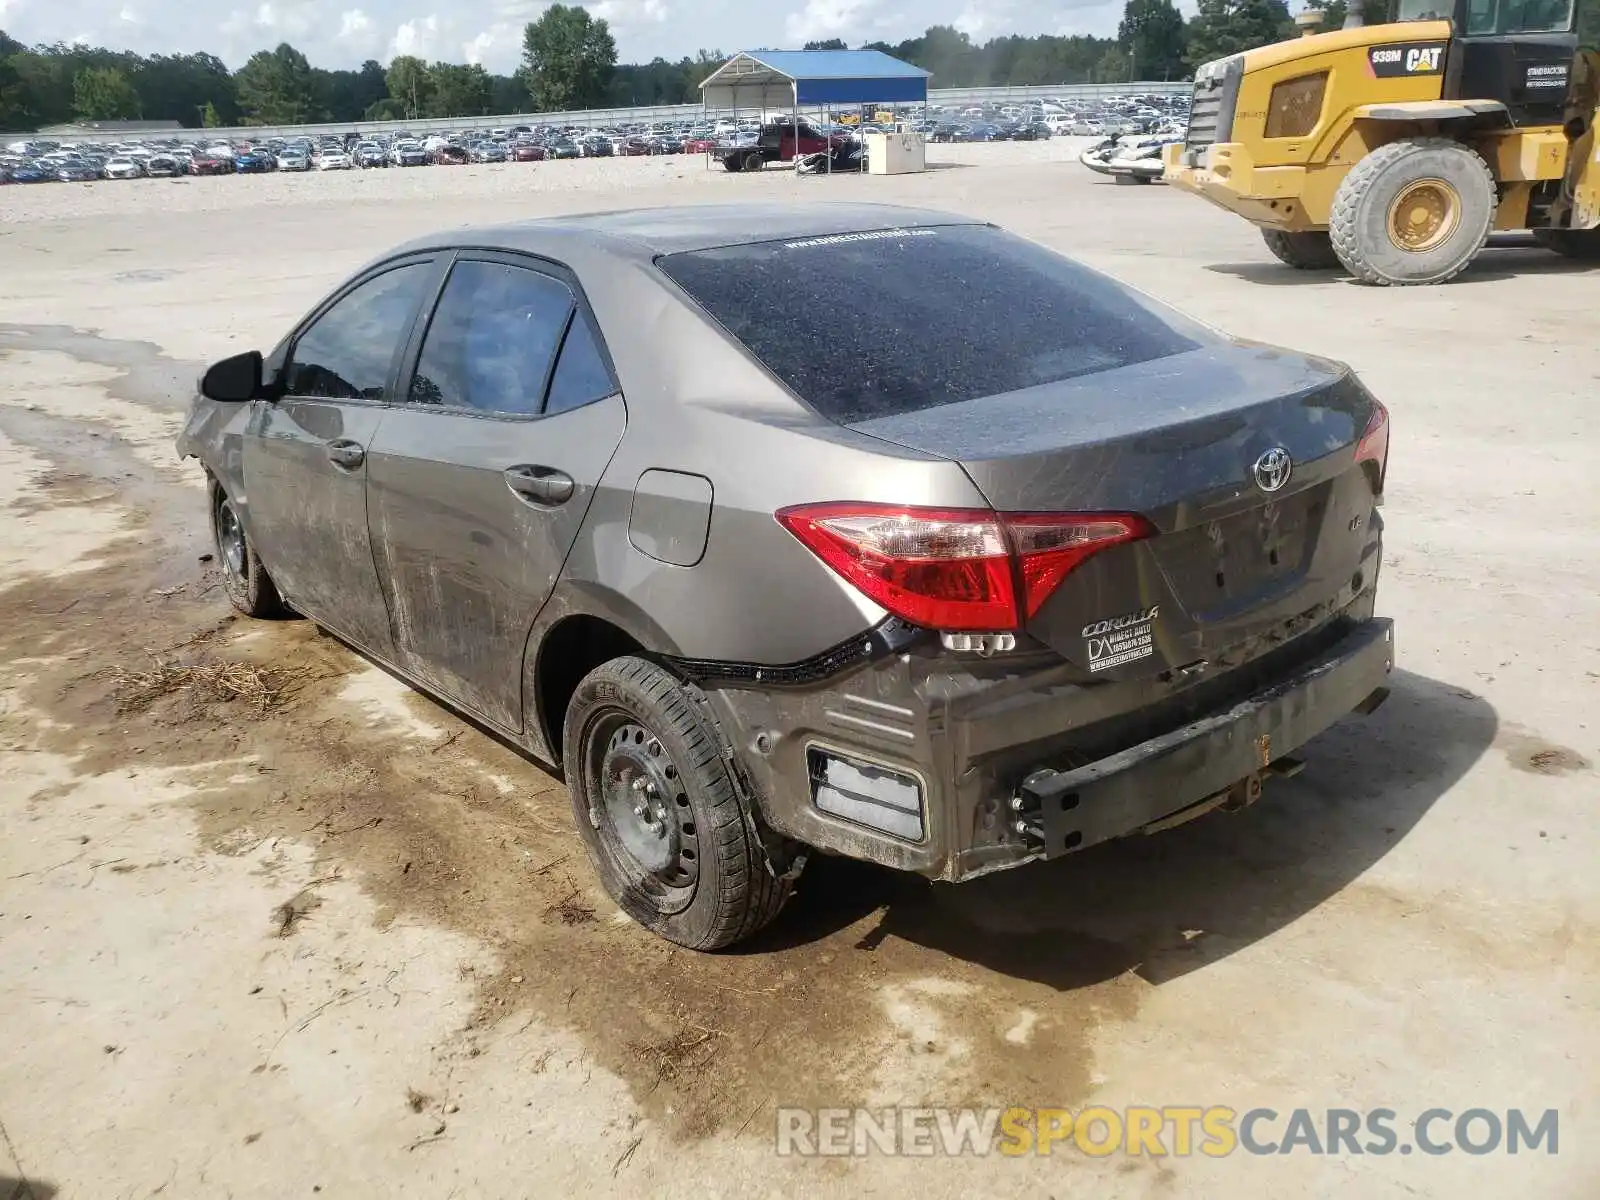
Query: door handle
x=541 y=485
x=346 y=454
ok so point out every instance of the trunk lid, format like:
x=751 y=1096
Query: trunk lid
x=1233 y=568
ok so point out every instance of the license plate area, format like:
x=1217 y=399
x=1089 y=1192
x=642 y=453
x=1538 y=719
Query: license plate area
x=1235 y=559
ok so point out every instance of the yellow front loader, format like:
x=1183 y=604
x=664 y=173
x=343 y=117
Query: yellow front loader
x=1395 y=150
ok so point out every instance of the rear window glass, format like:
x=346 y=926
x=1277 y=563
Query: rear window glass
x=876 y=324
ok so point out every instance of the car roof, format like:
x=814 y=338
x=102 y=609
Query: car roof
x=648 y=232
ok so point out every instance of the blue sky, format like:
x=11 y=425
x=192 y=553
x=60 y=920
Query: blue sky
x=341 y=33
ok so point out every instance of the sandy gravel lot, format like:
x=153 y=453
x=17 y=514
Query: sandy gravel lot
x=334 y=941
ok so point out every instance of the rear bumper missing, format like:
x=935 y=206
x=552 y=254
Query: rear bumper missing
x=1217 y=760
x=989 y=765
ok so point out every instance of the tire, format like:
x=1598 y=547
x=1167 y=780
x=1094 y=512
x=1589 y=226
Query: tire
x=1447 y=179
x=733 y=163
x=1306 y=251
x=1581 y=244
x=245 y=581
x=753 y=161
x=697 y=875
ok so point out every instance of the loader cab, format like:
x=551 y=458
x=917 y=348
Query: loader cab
x=1518 y=52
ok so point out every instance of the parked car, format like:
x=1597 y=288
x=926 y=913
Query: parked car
x=881 y=607
x=205 y=163
x=1031 y=131
x=77 y=171
x=408 y=154
x=370 y=154
x=778 y=141
x=451 y=156
x=294 y=160
x=527 y=152
x=563 y=148
x=332 y=160
x=255 y=162
x=164 y=166
x=32 y=172
x=123 y=168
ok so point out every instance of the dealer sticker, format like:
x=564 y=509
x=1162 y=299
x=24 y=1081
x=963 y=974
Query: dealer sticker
x=1118 y=640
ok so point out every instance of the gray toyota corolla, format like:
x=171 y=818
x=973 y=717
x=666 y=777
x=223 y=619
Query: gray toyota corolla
x=827 y=528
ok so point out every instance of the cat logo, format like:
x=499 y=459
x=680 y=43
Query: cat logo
x=1423 y=59
x=1397 y=61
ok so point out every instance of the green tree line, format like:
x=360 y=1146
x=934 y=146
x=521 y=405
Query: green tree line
x=570 y=62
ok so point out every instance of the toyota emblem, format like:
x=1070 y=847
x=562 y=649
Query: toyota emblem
x=1272 y=469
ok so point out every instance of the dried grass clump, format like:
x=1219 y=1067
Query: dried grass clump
x=206 y=681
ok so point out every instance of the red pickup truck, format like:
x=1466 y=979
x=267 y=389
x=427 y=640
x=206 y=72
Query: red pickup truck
x=775 y=143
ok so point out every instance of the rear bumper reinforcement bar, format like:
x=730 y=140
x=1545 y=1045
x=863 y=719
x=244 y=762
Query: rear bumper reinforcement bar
x=1217 y=761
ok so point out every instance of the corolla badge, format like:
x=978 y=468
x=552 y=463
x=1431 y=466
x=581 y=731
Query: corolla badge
x=1272 y=469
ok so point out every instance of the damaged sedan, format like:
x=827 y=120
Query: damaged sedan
x=835 y=528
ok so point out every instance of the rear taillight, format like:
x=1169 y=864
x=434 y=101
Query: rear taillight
x=1050 y=546
x=956 y=569
x=1374 y=445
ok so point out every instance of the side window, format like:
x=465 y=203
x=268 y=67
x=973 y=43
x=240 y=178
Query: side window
x=1537 y=16
x=492 y=339
x=1481 y=16
x=345 y=354
x=581 y=372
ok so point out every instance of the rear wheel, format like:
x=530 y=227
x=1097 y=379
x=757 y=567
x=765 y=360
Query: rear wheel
x=1571 y=243
x=1413 y=212
x=1305 y=251
x=248 y=586
x=658 y=810
x=753 y=161
x=733 y=163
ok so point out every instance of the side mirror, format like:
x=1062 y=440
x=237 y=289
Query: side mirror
x=234 y=380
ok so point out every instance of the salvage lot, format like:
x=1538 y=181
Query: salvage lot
x=271 y=923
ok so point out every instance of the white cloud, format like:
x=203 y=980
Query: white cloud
x=490 y=31
x=354 y=23
x=494 y=45
x=630 y=14
x=823 y=19
x=419 y=38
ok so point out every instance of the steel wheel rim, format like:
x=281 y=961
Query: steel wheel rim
x=1424 y=215
x=230 y=540
x=640 y=809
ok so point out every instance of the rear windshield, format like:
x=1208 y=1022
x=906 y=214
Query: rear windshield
x=867 y=325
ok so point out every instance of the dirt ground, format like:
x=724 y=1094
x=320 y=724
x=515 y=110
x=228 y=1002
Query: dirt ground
x=271 y=925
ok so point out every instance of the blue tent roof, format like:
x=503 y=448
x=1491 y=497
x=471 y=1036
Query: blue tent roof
x=771 y=78
x=837 y=64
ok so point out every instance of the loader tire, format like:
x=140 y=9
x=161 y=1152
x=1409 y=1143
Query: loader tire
x=1413 y=212
x=1308 y=251
x=1582 y=244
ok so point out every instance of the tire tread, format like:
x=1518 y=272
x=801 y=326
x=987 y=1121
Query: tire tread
x=750 y=895
x=1342 y=221
x=1307 y=251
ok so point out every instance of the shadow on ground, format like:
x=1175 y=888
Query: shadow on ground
x=1164 y=905
x=1497 y=262
x=25 y=1189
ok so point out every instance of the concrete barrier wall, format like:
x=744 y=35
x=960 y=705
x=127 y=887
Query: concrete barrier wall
x=646 y=115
